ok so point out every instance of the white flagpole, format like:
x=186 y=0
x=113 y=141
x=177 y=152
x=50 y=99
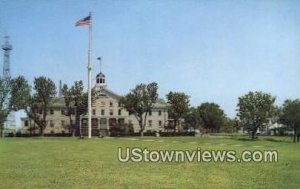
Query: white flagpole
x=90 y=80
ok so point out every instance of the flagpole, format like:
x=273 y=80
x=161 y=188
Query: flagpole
x=90 y=80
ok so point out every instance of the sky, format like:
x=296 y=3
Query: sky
x=214 y=51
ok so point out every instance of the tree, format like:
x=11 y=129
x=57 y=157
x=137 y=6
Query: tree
x=35 y=104
x=140 y=101
x=68 y=98
x=229 y=125
x=237 y=124
x=212 y=116
x=4 y=110
x=254 y=108
x=75 y=97
x=3 y=116
x=291 y=116
x=45 y=91
x=21 y=98
x=179 y=106
x=20 y=94
x=191 y=118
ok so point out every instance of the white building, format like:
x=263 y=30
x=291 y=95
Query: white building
x=107 y=115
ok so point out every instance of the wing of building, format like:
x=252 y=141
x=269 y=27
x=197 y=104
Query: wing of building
x=107 y=115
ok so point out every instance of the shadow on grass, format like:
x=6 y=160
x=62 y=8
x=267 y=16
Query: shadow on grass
x=243 y=139
x=246 y=139
x=277 y=140
x=261 y=138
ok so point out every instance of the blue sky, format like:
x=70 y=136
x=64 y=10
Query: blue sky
x=214 y=51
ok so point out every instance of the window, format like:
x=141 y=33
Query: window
x=94 y=122
x=102 y=112
x=51 y=112
x=98 y=81
x=110 y=104
x=159 y=112
x=62 y=111
x=84 y=122
x=111 y=112
x=159 y=123
x=150 y=123
x=51 y=123
x=102 y=121
x=52 y=132
x=121 y=121
x=26 y=123
x=150 y=113
x=94 y=112
x=62 y=123
x=120 y=112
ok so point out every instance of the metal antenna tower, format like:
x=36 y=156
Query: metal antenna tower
x=6 y=47
x=6 y=67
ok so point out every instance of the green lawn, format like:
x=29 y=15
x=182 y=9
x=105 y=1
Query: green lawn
x=74 y=163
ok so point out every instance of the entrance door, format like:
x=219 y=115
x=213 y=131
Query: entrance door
x=103 y=127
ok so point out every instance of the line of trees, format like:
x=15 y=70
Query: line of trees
x=253 y=108
x=36 y=100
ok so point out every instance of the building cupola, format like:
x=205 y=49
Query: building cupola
x=100 y=78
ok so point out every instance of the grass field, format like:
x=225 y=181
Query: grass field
x=74 y=163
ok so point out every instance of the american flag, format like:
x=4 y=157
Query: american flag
x=84 y=21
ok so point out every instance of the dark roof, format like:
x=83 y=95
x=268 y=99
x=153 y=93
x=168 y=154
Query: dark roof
x=60 y=101
x=110 y=93
x=100 y=75
x=160 y=100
